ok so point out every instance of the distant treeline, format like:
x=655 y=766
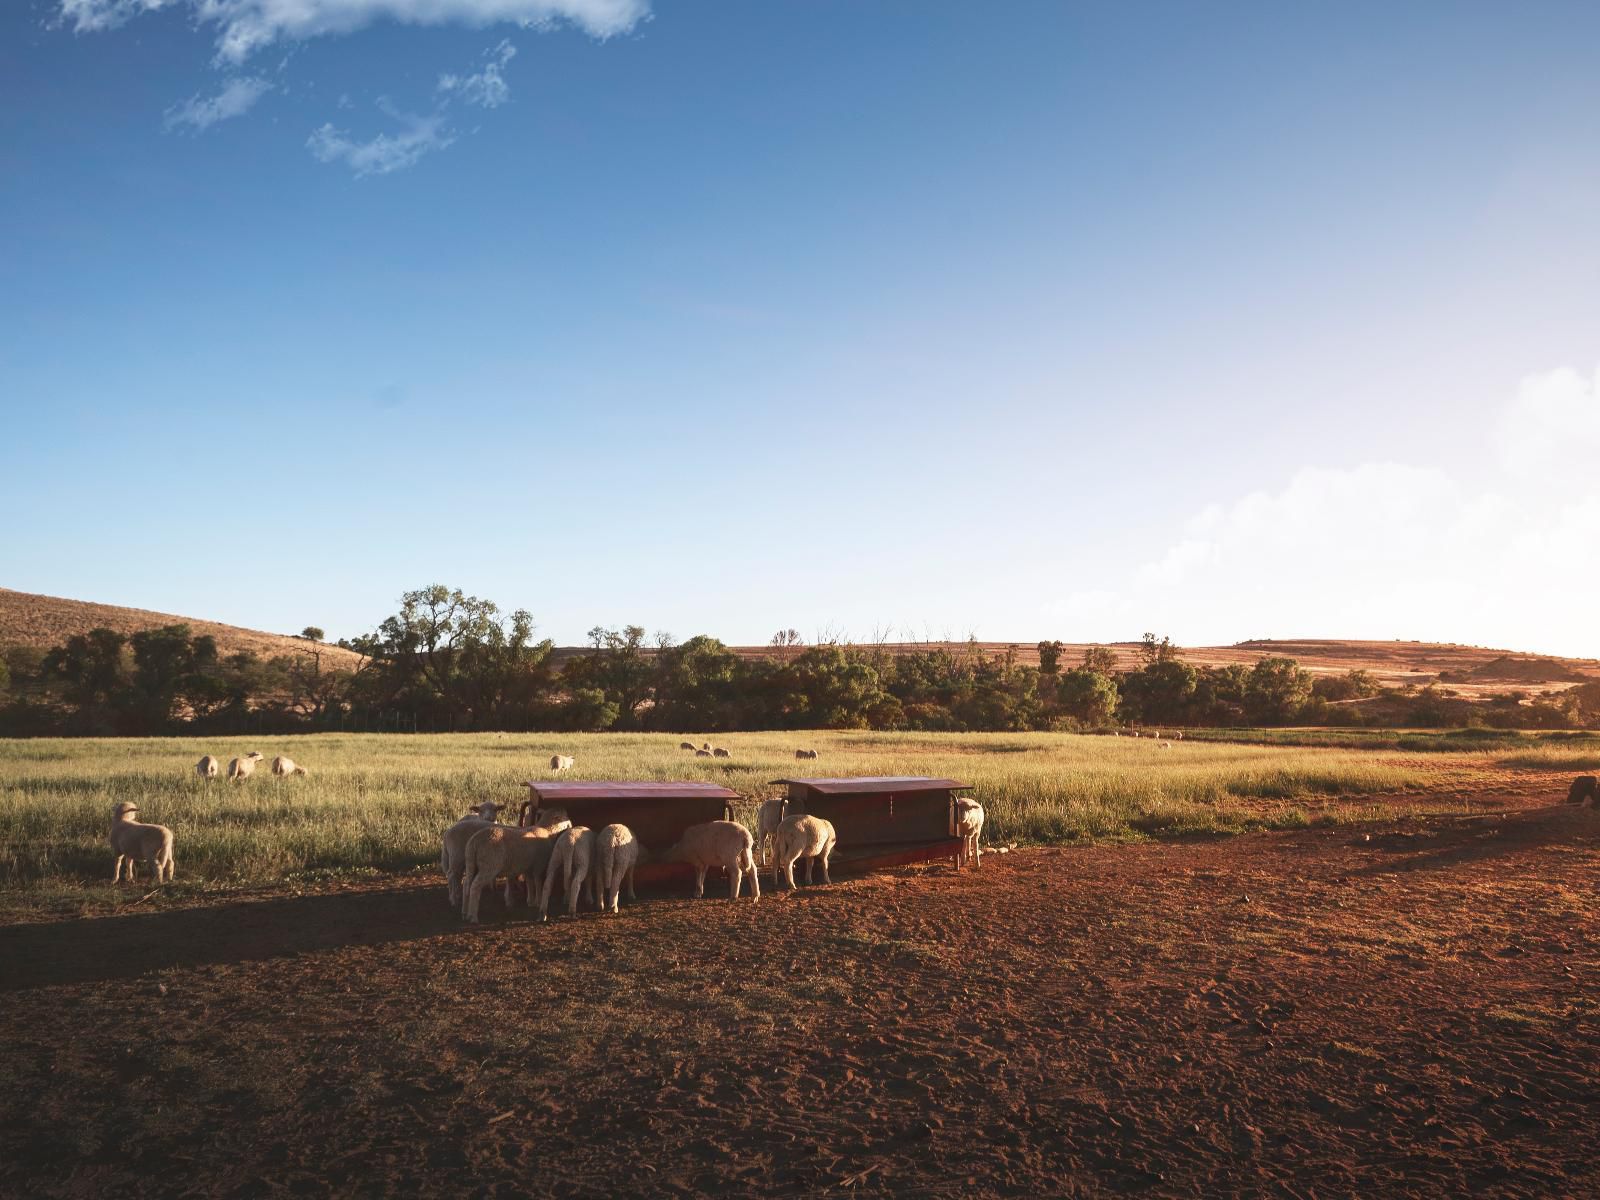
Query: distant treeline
x=449 y=662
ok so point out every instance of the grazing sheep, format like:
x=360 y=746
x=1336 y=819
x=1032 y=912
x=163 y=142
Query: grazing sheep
x=511 y=851
x=719 y=752
x=1179 y=735
x=286 y=766
x=135 y=842
x=768 y=817
x=1163 y=745
x=453 y=855
x=1584 y=787
x=805 y=753
x=969 y=826
x=571 y=858
x=725 y=844
x=616 y=853
x=239 y=769
x=702 y=754
x=686 y=746
x=705 y=745
x=802 y=836
x=561 y=762
x=208 y=767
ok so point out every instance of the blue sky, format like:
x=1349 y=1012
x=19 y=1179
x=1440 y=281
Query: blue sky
x=1027 y=320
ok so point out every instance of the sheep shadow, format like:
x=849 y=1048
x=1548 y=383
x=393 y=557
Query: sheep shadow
x=1461 y=841
x=99 y=949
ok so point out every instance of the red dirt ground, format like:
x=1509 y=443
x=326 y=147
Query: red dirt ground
x=1409 y=1010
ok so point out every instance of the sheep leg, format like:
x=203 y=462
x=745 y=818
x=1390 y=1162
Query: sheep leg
x=575 y=888
x=755 y=875
x=827 y=853
x=116 y=872
x=977 y=849
x=699 y=882
x=788 y=870
x=735 y=877
x=631 y=896
x=811 y=861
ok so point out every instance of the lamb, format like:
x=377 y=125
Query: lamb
x=702 y=754
x=135 y=842
x=805 y=753
x=802 y=836
x=616 y=853
x=1584 y=787
x=239 y=769
x=571 y=857
x=719 y=752
x=561 y=762
x=208 y=767
x=509 y=850
x=286 y=766
x=969 y=826
x=453 y=855
x=1163 y=745
x=705 y=746
x=768 y=817
x=725 y=844
x=686 y=746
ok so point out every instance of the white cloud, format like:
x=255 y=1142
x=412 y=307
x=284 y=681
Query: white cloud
x=1386 y=550
x=235 y=99
x=487 y=87
x=245 y=26
x=385 y=152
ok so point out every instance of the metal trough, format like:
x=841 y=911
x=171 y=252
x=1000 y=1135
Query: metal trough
x=882 y=820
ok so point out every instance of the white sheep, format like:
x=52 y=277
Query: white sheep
x=561 y=762
x=802 y=836
x=706 y=746
x=208 y=767
x=805 y=753
x=239 y=769
x=571 y=858
x=510 y=850
x=686 y=746
x=453 y=854
x=969 y=827
x=702 y=754
x=725 y=844
x=1163 y=745
x=616 y=853
x=282 y=765
x=135 y=842
x=719 y=752
x=768 y=817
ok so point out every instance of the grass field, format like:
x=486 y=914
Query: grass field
x=375 y=803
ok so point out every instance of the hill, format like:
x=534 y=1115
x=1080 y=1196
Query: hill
x=27 y=619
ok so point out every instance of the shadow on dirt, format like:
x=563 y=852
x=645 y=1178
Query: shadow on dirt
x=1448 y=842
x=105 y=948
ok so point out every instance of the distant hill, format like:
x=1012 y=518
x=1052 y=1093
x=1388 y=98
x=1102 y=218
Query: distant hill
x=45 y=621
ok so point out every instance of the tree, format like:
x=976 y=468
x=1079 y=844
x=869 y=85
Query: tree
x=1100 y=658
x=617 y=666
x=697 y=686
x=1153 y=651
x=312 y=634
x=1278 y=689
x=1049 y=658
x=1089 y=698
x=1160 y=691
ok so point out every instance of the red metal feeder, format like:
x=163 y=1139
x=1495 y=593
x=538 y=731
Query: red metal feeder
x=882 y=820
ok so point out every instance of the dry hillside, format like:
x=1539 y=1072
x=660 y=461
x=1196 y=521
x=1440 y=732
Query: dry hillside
x=45 y=621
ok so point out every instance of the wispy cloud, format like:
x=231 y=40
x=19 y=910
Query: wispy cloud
x=246 y=26
x=487 y=87
x=235 y=99
x=385 y=152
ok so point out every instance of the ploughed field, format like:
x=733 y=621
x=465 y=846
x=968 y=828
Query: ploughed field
x=1410 y=1007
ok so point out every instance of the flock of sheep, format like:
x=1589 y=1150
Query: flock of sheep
x=241 y=768
x=552 y=852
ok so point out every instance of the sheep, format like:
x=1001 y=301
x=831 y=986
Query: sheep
x=1163 y=745
x=239 y=769
x=705 y=746
x=969 y=826
x=135 y=842
x=616 y=853
x=802 y=836
x=208 y=767
x=561 y=762
x=805 y=753
x=702 y=754
x=286 y=766
x=453 y=854
x=719 y=752
x=571 y=857
x=686 y=746
x=1584 y=787
x=725 y=844
x=768 y=817
x=510 y=850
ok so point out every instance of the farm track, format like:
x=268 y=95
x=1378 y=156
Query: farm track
x=1410 y=1008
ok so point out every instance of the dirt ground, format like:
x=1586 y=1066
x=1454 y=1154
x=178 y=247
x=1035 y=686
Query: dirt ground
x=1412 y=1009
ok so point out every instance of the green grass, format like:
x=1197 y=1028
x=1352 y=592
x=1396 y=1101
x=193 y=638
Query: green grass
x=376 y=803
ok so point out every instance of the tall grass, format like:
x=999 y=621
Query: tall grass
x=377 y=802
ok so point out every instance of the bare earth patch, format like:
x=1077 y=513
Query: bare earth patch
x=1410 y=1008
